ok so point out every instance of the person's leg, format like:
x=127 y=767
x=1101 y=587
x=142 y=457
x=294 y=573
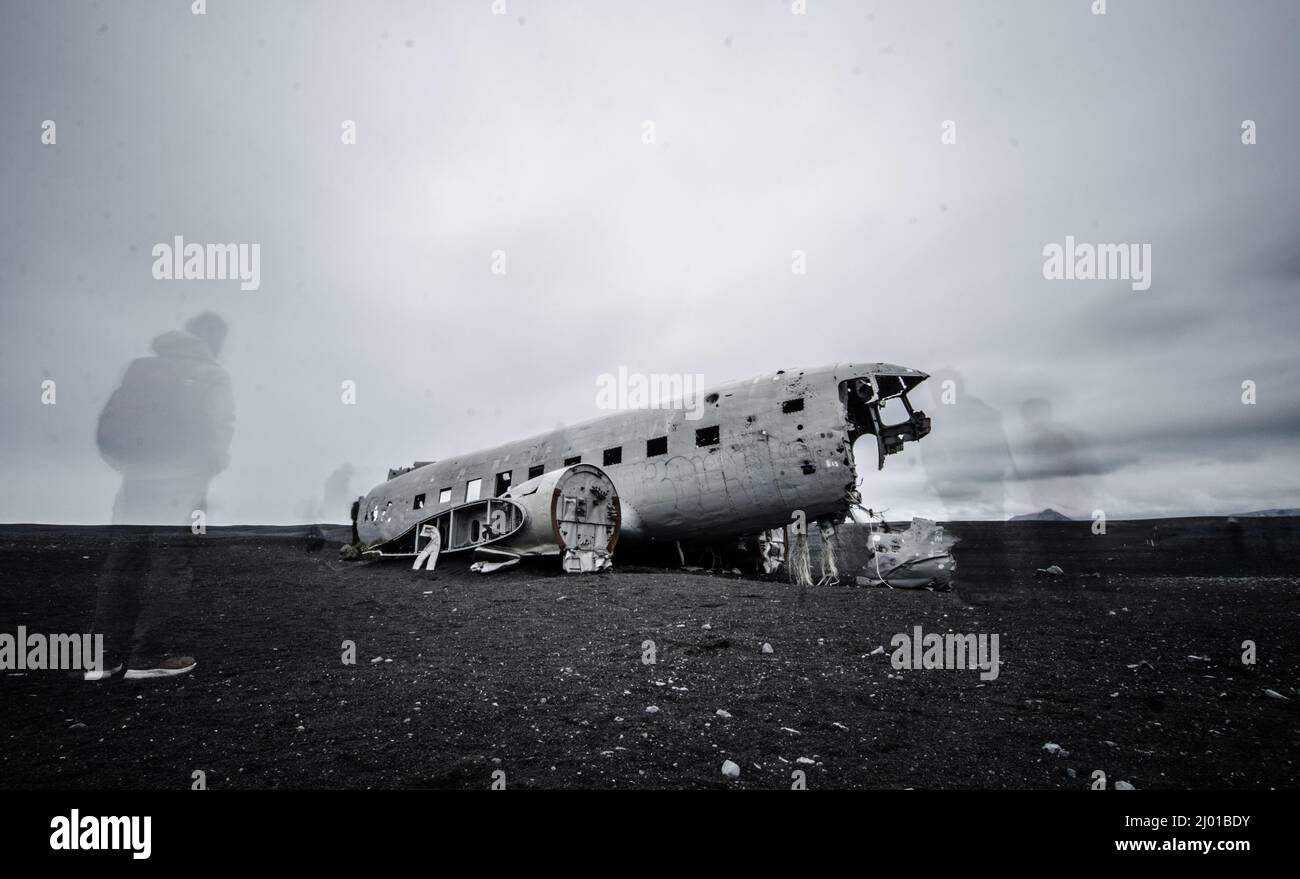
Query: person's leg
x=118 y=591
x=166 y=587
x=146 y=643
x=117 y=600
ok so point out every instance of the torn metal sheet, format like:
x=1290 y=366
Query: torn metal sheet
x=918 y=558
x=489 y=559
x=771 y=550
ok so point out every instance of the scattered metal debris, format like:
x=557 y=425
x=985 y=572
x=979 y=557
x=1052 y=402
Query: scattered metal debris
x=918 y=558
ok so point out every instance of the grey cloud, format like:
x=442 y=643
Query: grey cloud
x=803 y=133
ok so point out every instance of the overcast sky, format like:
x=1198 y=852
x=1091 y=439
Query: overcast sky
x=774 y=132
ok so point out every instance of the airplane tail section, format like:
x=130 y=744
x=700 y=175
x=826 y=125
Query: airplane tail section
x=572 y=512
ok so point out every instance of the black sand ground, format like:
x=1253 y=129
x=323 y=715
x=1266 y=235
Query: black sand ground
x=541 y=675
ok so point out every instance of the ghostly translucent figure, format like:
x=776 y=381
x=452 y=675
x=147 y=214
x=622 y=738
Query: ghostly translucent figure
x=167 y=429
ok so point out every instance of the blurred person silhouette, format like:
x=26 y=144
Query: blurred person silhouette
x=968 y=463
x=1061 y=474
x=1057 y=463
x=338 y=492
x=167 y=429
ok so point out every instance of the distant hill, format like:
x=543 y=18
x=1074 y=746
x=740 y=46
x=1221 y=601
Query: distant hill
x=1290 y=512
x=1047 y=515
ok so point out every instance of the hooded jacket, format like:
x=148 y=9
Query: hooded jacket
x=173 y=415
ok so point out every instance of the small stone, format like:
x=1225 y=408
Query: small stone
x=725 y=715
x=767 y=648
x=730 y=769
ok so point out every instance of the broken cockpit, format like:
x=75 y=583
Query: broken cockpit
x=877 y=404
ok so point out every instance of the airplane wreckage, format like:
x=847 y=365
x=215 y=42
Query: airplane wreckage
x=749 y=468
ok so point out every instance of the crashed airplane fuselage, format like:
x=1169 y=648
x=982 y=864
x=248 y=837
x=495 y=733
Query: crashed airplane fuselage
x=761 y=449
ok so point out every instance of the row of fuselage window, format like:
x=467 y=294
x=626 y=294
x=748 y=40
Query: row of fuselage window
x=654 y=447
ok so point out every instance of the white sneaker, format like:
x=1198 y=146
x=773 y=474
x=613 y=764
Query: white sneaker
x=170 y=667
x=102 y=674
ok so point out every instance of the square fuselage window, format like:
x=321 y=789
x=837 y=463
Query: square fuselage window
x=613 y=456
x=569 y=462
x=536 y=470
x=444 y=496
x=473 y=489
x=707 y=436
x=419 y=502
x=656 y=446
x=795 y=405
